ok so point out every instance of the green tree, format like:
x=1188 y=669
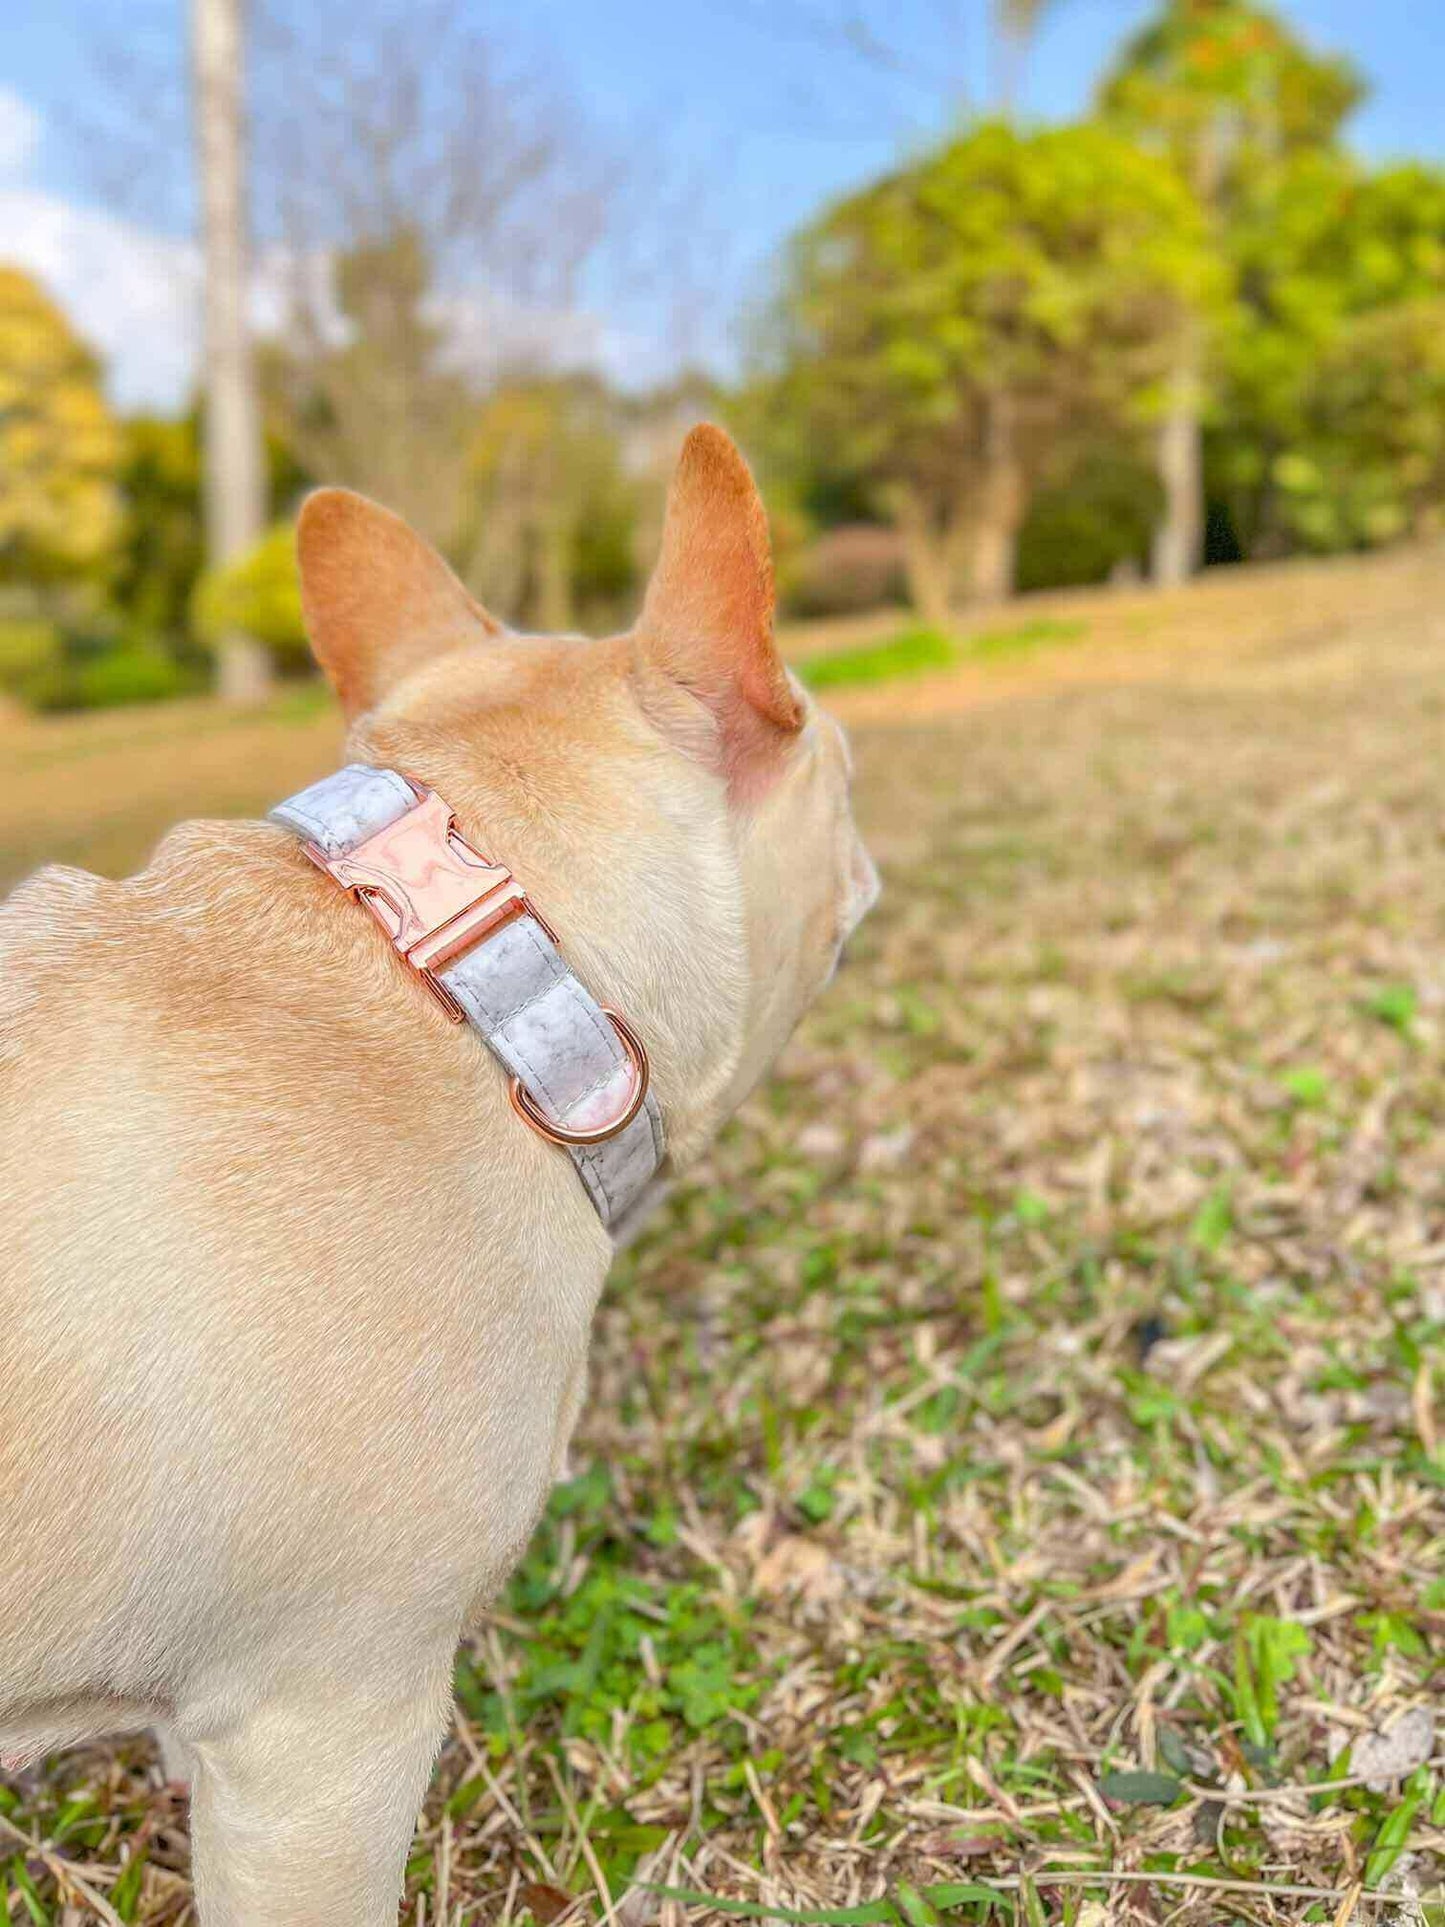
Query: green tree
x=1227 y=89
x=1369 y=464
x=1327 y=364
x=953 y=330
x=59 y=446
x=162 y=546
x=1232 y=97
x=259 y=592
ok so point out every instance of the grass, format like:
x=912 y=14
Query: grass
x=909 y=653
x=1039 y=632
x=915 y=651
x=1012 y=1487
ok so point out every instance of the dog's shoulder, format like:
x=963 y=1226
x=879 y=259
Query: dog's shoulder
x=69 y=936
x=39 y=922
x=45 y=906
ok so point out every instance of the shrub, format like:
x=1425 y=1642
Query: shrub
x=1077 y=531
x=847 y=570
x=259 y=594
x=27 y=650
x=109 y=678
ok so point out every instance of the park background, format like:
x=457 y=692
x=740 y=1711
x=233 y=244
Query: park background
x=1012 y=1485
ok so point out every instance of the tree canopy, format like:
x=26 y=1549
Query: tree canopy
x=1042 y=354
x=950 y=329
x=1325 y=253
x=60 y=511
x=1227 y=90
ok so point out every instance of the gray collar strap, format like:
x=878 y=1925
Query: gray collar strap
x=484 y=951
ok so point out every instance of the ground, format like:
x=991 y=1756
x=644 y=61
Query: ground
x=1014 y=1464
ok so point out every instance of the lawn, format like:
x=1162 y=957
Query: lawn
x=1013 y=1485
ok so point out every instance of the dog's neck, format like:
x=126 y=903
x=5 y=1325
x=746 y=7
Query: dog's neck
x=630 y=853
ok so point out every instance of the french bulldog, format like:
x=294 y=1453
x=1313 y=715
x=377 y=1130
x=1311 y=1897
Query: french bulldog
x=294 y=1306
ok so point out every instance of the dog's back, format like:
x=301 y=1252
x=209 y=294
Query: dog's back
x=194 y=1156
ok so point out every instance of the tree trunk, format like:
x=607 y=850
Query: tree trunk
x=1002 y=505
x=925 y=561
x=234 y=472
x=1179 y=537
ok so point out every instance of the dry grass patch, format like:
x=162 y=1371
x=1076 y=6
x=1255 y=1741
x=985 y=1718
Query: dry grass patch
x=1014 y=1463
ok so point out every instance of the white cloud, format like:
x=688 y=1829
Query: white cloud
x=19 y=133
x=488 y=334
x=134 y=294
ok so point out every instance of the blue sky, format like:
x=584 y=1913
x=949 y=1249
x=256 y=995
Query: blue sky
x=774 y=117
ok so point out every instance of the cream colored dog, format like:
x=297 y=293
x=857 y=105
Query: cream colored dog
x=295 y=1311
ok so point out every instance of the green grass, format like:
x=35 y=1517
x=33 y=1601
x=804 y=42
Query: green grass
x=911 y=652
x=1040 y=632
x=916 y=651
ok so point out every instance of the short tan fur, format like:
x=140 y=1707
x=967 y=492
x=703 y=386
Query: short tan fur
x=295 y=1311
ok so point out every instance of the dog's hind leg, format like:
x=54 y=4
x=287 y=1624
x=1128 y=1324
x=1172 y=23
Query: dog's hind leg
x=301 y=1815
x=176 y=1762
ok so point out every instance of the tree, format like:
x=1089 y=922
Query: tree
x=161 y=553
x=234 y=473
x=434 y=200
x=162 y=548
x=372 y=401
x=1225 y=90
x=951 y=330
x=885 y=41
x=60 y=510
x=1342 y=274
x=551 y=517
x=1370 y=466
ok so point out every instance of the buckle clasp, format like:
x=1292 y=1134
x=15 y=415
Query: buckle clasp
x=431 y=891
x=435 y=895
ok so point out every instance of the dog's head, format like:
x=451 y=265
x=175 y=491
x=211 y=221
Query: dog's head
x=673 y=800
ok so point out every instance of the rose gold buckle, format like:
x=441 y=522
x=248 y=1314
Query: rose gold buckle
x=435 y=896
x=432 y=893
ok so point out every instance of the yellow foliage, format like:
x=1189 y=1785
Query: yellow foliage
x=258 y=592
x=60 y=447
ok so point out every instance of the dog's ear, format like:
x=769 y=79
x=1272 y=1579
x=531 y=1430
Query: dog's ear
x=378 y=600
x=707 y=623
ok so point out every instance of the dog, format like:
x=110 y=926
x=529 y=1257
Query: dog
x=295 y=1305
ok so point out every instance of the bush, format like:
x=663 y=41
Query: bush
x=47 y=666
x=109 y=678
x=27 y=650
x=850 y=569
x=259 y=594
x=1078 y=531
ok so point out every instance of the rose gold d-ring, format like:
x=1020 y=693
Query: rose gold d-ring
x=526 y=1108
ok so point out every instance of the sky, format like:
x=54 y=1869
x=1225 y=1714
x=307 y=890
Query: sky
x=762 y=111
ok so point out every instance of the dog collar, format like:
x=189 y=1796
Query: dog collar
x=579 y=1073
